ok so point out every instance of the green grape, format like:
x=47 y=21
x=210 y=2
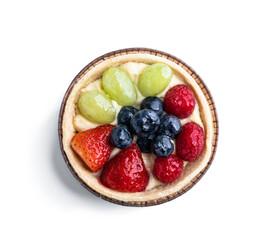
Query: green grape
x=154 y=79
x=117 y=84
x=97 y=107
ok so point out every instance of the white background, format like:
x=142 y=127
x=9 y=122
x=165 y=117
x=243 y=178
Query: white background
x=44 y=44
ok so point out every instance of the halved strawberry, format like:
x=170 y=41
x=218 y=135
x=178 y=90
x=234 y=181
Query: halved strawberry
x=93 y=146
x=126 y=171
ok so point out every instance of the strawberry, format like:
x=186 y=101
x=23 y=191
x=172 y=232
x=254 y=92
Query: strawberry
x=168 y=169
x=126 y=171
x=179 y=101
x=93 y=146
x=190 y=142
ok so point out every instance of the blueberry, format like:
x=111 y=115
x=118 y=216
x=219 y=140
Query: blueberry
x=162 y=146
x=121 y=137
x=170 y=125
x=145 y=144
x=125 y=115
x=153 y=103
x=145 y=123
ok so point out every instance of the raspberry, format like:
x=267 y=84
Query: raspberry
x=190 y=142
x=179 y=101
x=168 y=169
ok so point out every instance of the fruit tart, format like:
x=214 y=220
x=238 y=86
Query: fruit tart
x=138 y=127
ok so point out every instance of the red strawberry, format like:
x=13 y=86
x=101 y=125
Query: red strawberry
x=168 y=169
x=179 y=101
x=190 y=142
x=126 y=171
x=93 y=146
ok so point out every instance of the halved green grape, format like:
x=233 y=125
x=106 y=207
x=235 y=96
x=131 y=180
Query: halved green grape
x=97 y=107
x=117 y=84
x=154 y=79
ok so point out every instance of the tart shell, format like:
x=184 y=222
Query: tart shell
x=192 y=172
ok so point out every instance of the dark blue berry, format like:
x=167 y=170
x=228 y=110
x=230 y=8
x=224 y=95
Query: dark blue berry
x=121 y=137
x=145 y=123
x=145 y=144
x=162 y=146
x=125 y=115
x=153 y=103
x=170 y=125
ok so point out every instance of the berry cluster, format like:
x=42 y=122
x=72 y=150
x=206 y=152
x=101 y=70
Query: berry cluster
x=156 y=129
x=153 y=128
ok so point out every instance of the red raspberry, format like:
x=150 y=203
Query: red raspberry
x=190 y=142
x=168 y=169
x=179 y=101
